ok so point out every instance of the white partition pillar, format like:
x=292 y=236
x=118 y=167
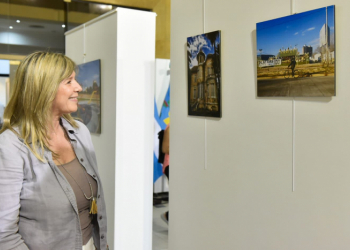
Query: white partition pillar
x=135 y=112
x=124 y=40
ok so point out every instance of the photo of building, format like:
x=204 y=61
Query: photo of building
x=204 y=76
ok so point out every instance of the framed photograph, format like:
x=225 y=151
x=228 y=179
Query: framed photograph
x=204 y=74
x=296 y=55
x=89 y=107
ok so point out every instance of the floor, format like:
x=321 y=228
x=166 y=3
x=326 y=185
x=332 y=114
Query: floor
x=160 y=228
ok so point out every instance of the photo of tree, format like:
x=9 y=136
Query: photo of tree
x=296 y=55
x=204 y=74
x=88 y=75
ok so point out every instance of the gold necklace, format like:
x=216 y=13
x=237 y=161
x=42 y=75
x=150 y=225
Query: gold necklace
x=92 y=199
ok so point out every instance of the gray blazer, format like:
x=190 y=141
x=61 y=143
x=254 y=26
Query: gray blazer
x=38 y=210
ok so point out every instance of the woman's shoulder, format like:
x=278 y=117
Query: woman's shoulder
x=10 y=141
x=83 y=132
x=8 y=135
x=81 y=126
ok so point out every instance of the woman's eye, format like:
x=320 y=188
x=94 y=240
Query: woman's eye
x=69 y=82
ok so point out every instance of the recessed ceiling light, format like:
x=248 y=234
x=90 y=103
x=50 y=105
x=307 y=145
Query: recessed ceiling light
x=18 y=21
x=11 y=27
x=106 y=7
x=63 y=26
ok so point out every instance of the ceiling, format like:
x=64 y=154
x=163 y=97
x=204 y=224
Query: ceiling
x=41 y=21
x=144 y=4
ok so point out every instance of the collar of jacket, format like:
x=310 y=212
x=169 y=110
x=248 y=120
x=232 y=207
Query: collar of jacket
x=68 y=127
x=65 y=124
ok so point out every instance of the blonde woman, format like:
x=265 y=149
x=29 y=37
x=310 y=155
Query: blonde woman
x=51 y=196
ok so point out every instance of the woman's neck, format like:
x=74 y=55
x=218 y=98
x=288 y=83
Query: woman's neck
x=55 y=128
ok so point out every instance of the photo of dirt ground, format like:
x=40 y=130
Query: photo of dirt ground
x=309 y=80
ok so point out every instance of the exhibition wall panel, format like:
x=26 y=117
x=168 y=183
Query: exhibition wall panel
x=82 y=46
x=135 y=129
x=124 y=41
x=187 y=135
x=100 y=44
x=75 y=45
x=322 y=142
x=271 y=173
x=3 y=91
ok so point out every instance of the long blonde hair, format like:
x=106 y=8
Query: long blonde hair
x=30 y=107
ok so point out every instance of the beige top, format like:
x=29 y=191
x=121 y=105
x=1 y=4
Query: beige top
x=77 y=171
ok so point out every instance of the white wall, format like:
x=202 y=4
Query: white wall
x=124 y=40
x=244 y=199
x=86 y=44
x=3 y=91
x=134 y=131
x=4 y=69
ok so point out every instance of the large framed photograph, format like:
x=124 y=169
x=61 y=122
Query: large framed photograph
x=89 y=107
x=204 y=74
x=296 y=55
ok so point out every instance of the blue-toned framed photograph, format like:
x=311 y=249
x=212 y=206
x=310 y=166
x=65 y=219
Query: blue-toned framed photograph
x=89 y=101
x=296 y=55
